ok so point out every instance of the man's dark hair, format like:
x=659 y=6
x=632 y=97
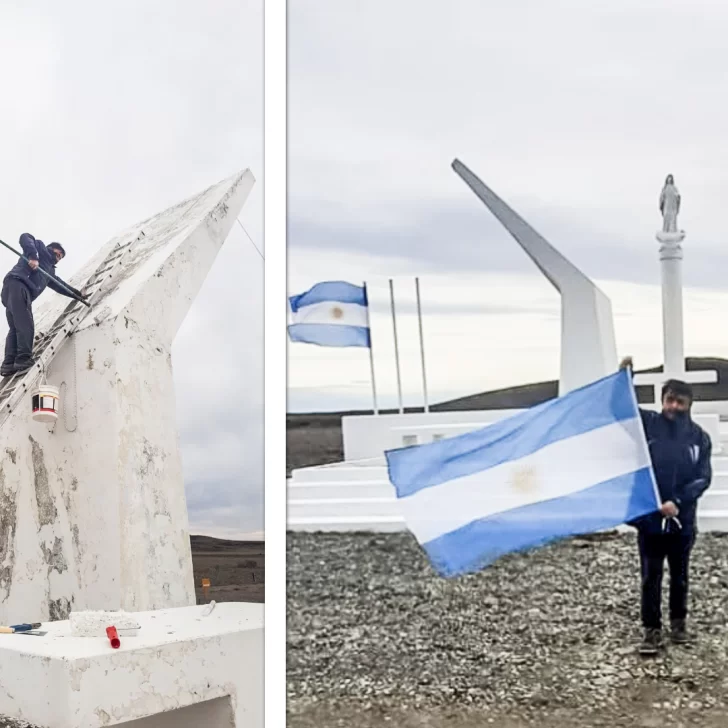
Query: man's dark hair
x=678 y=388
x=59 y=247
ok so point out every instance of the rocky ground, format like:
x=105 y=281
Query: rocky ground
x=236 y=570
x=546 y=638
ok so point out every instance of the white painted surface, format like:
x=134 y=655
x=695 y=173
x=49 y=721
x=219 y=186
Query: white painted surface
x=588 y=345
x=671 y=256
x=94 y=513
x=179 y=658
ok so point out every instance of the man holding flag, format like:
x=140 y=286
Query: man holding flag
x=584 y=462
x=680 y=453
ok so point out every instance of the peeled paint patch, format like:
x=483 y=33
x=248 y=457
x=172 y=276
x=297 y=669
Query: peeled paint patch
x=54 y=557
x=47 y=512
x=59 y=609
x=8 y=522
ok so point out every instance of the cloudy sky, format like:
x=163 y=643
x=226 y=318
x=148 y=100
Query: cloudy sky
x=573 y=112
x=112 y=112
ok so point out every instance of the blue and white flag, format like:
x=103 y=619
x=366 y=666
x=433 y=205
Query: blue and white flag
x=333 y=313
x=573 y=465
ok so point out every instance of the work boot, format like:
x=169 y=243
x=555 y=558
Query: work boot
x=651 y=643
x=8 y=366
x=678 y=633
x=23 y=365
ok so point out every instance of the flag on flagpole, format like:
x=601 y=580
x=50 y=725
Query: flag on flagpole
x=573 y=465
x=333 y=313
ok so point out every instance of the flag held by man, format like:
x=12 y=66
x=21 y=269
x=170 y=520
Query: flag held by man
x=573 y=465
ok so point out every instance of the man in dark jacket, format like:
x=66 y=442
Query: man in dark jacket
x=21 y=286
x=680 y=453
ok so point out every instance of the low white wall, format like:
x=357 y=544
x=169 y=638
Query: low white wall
x=181 y=658
x=368 y=436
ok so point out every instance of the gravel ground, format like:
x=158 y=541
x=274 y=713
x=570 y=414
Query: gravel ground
x=543 y=638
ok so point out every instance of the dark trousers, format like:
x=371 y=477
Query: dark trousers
x=18 y=304
x=654 y=549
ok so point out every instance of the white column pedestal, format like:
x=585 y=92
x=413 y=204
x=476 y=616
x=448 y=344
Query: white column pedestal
x=671 y=256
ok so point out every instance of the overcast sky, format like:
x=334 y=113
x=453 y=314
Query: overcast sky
x=573 y=112
x=112 y=112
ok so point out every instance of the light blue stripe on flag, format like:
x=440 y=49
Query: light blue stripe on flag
x=330 y=291
x=329 y=335
x=572 y=465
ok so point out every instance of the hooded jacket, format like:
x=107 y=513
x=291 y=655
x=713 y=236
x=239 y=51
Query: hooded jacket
x=35 y=281
x=680 y=452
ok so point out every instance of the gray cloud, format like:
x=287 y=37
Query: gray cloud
x=405 y=307
x=573 y=112
x=112 y=112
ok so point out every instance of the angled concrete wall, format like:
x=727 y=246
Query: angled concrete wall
x=588 y=348
x=93 y=510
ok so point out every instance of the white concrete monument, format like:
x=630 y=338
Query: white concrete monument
x=357 y=495
x=671 y=257
x=93 y=506
x=588 y=348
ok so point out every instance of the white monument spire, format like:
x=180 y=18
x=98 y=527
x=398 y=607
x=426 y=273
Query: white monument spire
x=671 y=257
x=588 y=349
x=93 y=511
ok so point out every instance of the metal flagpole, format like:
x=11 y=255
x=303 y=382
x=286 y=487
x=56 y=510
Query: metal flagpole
x=371 y=350
x=396 y=345
x=422 y=344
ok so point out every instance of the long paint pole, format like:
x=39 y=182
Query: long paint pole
x=422 y=344
x=371 y=351
x=396 y=345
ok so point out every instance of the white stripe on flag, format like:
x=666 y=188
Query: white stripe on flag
x=332 y=312
x=588 y=459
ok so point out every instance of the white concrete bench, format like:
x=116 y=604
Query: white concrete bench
x=183 y=669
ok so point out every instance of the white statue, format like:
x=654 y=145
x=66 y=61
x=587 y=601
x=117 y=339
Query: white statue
x=669 y=205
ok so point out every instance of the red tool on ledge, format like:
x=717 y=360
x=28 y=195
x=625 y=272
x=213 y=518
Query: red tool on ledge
x=113 y=637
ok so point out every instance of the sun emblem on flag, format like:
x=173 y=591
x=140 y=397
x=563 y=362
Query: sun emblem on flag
x=337 y=312
x=524 y=479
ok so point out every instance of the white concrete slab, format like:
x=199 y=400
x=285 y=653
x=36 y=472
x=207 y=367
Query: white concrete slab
x=208 y=665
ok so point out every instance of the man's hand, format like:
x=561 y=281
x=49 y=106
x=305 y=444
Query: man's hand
x=33 y=264
x=669 y=509
x=626 y=363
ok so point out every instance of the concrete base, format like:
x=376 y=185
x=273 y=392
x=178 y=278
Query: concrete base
x=183 y=669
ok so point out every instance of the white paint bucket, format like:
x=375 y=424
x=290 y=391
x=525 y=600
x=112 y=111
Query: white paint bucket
x=46 y=402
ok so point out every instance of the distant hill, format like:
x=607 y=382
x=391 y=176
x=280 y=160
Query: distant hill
x=530 y=395
x=315 y=438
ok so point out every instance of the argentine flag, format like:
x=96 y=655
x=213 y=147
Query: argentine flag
x=333 y=313
x=573 y=465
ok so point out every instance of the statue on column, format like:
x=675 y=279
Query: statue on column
x=669 y=205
